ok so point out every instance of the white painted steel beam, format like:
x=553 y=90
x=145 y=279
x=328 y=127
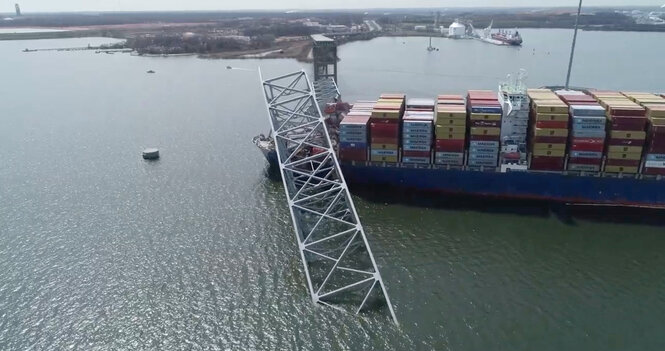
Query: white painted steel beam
x=339 y=265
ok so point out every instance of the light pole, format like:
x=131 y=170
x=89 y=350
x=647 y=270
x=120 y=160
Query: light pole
x=572 y=50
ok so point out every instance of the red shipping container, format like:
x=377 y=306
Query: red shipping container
x=450 y=145
x=485 y=137
x=450 y=97
x=482 y=95
x=547 y=163
x=385 y=120
x=484 y=102
x=657 y=130
x=353 y=154
x=494 y=124
x=627 y=111
x=550 y=139
x=393 y=140
x=585 y=161
x=622 y=163
x=654 y=171
x=384 y=130
x=552 y=124
x=407 y=153
x=625 y=142
x=656 y=149
x=547 y=166
x=628 y=123
x=317 y=150
x=587 y=144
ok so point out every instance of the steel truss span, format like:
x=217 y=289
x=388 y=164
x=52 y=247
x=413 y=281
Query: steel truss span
x=340 y=268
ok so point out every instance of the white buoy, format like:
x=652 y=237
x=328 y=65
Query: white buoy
x=151 y=154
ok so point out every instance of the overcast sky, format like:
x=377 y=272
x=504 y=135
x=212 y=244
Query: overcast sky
x=174 y=5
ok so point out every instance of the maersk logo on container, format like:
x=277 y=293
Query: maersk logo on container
x=655 y=164
x=484 y=150
x=486 y=109
x=587 y=126
x=589 y=120
x=384 y=152
x=478 y=143
x=588 y=133
x=483 y=157
x=416 y=142
x=586 y=154
x=655 y=157
x=416 y=147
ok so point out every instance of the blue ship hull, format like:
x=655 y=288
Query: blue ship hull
x=574 y=189
x=544 y=186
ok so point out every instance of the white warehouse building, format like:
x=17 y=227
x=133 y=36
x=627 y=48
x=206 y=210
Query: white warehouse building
x=456 y=30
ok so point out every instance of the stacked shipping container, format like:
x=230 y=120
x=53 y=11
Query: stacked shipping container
x=384 y=128
x=450 y=131
x=354 y=132
x=587 y=131
x=549 y=130
x=417 y=131
x=627 y=123
x=654 y=158
x=485 y=112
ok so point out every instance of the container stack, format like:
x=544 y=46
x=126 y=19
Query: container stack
x=654 y=159
x=354 y=132
x=450 y=131
x=587 y=131
x=417 y=131
x=627 y=123
x=485 y=112
x=549 y=130
x=587 y=140
x=384 y=128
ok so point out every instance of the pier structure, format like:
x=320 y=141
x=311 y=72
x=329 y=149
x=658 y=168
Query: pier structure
x=324 y=50
x=338 y=263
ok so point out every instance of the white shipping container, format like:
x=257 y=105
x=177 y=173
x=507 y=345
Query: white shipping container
x=655 y=164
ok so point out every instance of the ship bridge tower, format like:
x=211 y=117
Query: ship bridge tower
x=18 y=10
x=324 y=50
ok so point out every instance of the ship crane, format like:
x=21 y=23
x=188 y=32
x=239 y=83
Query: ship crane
x=336 y=256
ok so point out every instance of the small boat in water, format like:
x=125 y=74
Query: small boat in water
x=150 y=71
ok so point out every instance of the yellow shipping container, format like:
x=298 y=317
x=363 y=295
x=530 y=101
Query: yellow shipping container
x=450 y=114
x=390 y=102
x=620 y=169
x=543 y=146
x=656 y=111
x=552 y=117
x=538 y=90
x=449 y=136
x=552 y=153
x=551 y=132
x=624 y=155
x=614 y=149
x=450 y=129
x=658 y=121
x=550 y=107
x=387 y=114
x=485 y=131
x=485 y=117
x=375 y=158
x=620 y=134
x=385 y=146
x=450 y=122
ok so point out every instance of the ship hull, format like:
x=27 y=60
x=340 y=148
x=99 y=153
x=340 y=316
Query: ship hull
x=554 y=187
x=541 y=186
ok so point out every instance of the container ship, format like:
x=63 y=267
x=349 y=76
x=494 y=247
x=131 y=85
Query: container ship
x=582 y=146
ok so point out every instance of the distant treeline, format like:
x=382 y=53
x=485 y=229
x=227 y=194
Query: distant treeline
x=603 y=20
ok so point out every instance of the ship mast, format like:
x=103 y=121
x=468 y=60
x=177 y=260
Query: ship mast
x=572 y=50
